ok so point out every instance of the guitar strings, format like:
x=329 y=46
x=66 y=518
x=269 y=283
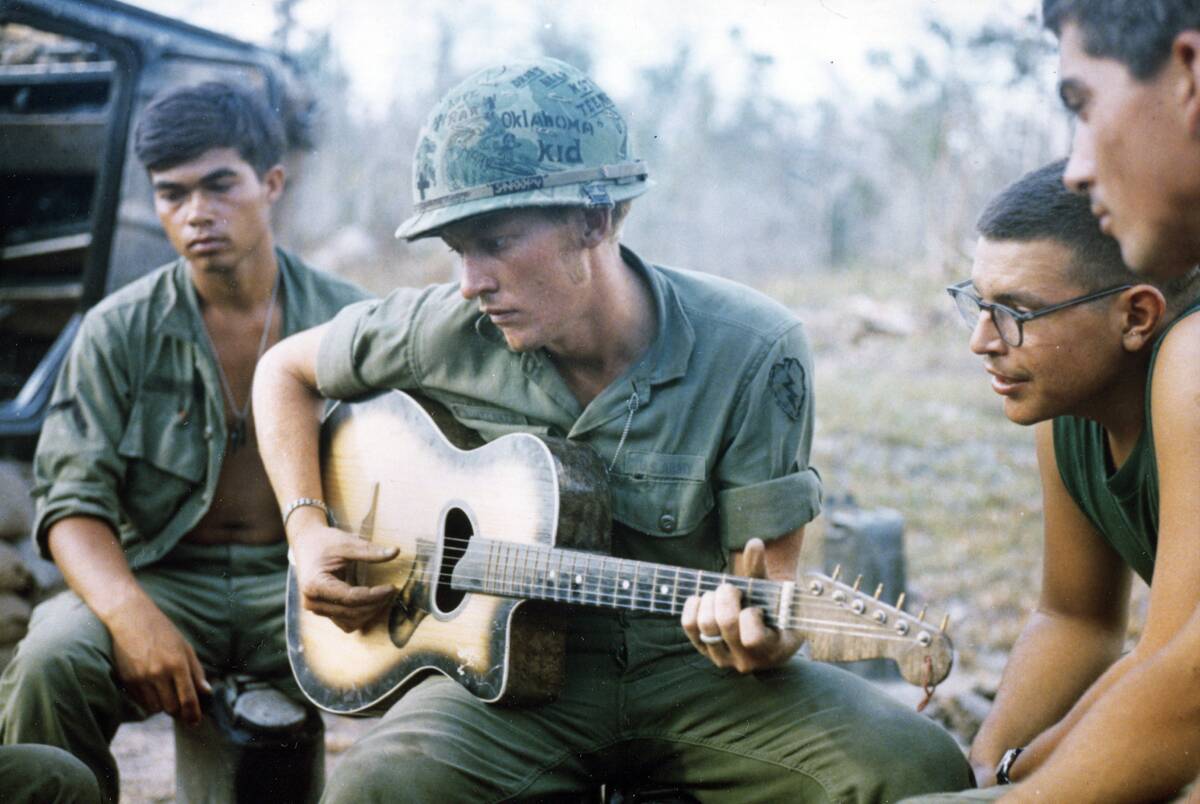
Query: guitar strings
x=668 y=603
x=708 y=580
x=454 y=548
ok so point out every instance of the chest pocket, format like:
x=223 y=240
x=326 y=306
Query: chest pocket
x=165 y=456
x=661 y=494
x=491 y=423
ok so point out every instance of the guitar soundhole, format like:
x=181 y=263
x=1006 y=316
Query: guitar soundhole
x=456 y=533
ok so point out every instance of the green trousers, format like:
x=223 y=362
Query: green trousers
x=641 y=707
x=42 y=774
x=61 y=688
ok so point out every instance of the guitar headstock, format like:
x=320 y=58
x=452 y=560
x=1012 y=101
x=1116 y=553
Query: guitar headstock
x=844 y=624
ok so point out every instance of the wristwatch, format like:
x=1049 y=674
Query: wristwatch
x=1006 y=763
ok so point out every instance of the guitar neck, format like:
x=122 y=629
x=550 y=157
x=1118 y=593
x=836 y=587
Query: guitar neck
x=536 y=572
x=839 y=622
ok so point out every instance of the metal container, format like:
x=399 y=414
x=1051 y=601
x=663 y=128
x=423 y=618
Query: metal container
x=254 y=744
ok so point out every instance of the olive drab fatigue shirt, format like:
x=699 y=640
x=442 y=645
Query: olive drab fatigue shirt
x=136 y=430
x=707 y=437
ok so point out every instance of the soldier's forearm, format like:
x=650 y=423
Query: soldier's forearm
x=1053 y=663
x=92 y=562
x=1139 y=742
x=286 y=413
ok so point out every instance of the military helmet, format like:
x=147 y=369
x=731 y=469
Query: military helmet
x=528 y=133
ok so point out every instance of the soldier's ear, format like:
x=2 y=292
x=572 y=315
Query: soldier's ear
x=1185 y=50
x=274 y=179
x=1142 y=309
x=597 y=225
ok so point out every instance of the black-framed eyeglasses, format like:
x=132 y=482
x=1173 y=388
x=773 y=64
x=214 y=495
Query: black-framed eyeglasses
x=1010 y=323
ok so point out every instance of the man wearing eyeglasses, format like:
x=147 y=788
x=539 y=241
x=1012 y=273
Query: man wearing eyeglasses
x=1072 y=338
x=1129 y=73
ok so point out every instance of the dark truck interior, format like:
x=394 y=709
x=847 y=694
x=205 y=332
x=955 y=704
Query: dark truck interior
x=55 y=109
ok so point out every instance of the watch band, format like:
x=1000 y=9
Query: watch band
x=1006 y=763
x=301 y=502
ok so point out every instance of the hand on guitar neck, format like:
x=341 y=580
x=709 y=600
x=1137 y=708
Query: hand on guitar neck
x=747 y=643
x=326 y=560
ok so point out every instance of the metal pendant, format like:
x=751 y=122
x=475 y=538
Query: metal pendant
x=237 y=435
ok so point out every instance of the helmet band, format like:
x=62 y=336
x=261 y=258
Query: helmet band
x=622 y=173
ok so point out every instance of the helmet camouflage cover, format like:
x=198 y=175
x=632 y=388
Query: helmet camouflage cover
x=528 y=133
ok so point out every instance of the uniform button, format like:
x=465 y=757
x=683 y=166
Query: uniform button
x=666 y=523
x=208 y=433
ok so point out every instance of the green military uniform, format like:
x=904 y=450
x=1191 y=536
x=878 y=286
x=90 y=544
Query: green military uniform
x=135 y=437
x=707 y=441
x=43 y=774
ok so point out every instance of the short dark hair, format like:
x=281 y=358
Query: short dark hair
x=1139 y=35
x=182 y=123
x=1038 y=206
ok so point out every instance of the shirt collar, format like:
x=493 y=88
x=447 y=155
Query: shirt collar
x=176 y=319
x=181 y=310
x=668 y=356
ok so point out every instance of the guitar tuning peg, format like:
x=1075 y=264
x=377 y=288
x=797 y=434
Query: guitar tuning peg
x=857 y=582
x=837 y=570
x=921 y=616
x=878 y=591
x=945 y=622
x=900 y=602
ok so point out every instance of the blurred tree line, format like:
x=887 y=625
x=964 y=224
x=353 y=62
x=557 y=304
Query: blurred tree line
x=751 y=186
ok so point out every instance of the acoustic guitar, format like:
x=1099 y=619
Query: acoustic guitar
x=494 y=540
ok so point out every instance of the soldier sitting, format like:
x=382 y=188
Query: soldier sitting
x=1074 y=343
x=151 y=496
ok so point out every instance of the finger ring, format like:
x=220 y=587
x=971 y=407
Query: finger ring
x=712 y=639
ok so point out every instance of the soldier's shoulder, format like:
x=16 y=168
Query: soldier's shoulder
x=142 y=293
x=718 y=304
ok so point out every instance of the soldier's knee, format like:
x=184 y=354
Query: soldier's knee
x=41 y=664
x=371 y=774
x=45 y=773
x=361 y=777
x=919 y=758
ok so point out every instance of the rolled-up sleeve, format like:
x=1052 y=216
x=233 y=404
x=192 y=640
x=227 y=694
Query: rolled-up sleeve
x=77 y=468
x=766 y=487
x=369 y=346
x=337 y=375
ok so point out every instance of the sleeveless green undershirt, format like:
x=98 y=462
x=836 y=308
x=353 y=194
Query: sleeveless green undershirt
x=1121 y=503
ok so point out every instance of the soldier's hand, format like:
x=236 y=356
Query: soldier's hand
x=323 y=558
x=732 y=636
x=155 y=664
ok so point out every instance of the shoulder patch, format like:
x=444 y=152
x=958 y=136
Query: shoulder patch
x=787 y=386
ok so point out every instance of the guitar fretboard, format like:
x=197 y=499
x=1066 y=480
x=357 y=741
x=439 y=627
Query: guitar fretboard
x=536 y=572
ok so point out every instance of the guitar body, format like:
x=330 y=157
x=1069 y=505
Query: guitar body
x=402 y=472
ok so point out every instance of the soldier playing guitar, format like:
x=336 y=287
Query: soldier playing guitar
x=695 y=394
